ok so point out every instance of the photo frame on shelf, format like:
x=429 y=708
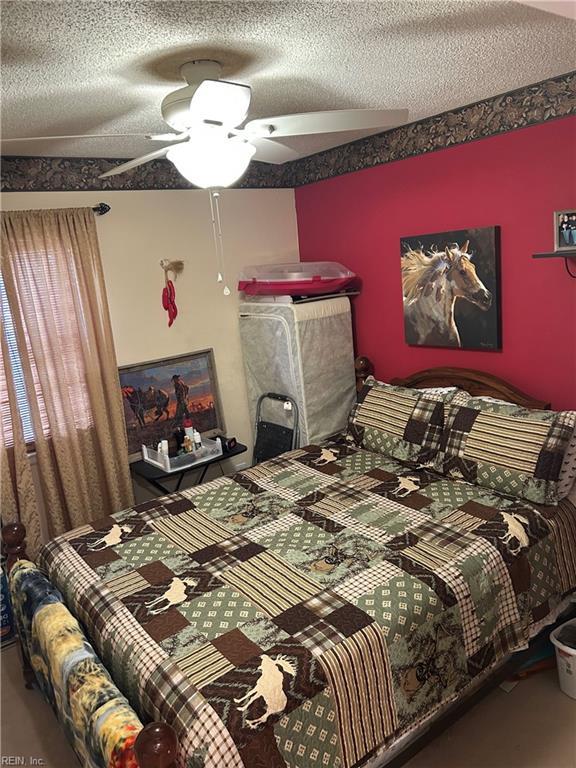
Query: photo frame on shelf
x=159 y=395
x=565 y=230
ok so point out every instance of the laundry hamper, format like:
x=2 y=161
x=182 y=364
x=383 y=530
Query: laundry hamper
x=565 y=659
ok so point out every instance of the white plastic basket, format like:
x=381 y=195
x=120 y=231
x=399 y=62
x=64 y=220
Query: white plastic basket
x=566 y=662
x=210 y=450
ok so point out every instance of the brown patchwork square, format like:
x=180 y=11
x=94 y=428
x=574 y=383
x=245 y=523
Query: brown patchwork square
x=100 y=557
x=415 y=501
x=415 y=431
x=177 y=506
x=103 y=523
x=156 y=573
x=236 y=647
x=464 y=419
x=349 y=619
x=247 y=551
x=166 y=624
x=382 y=475
x=211 y=552
x=481 y=511
x=548 y=465
x=294 y=619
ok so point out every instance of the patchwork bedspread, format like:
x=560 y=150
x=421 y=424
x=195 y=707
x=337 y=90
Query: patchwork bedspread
x=313 y=608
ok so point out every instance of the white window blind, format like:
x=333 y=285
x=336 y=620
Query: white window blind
x=17 y=376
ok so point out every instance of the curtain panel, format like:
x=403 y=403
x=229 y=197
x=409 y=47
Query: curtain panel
x=54 y=284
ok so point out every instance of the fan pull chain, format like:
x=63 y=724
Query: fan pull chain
x=218 y=239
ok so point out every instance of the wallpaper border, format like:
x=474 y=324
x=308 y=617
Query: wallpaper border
x=530 y=105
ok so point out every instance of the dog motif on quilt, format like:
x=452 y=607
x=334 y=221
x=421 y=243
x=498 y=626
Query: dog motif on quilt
x=269 y=687
x=113 y=537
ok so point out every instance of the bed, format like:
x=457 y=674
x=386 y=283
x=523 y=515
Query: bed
x=317 y=609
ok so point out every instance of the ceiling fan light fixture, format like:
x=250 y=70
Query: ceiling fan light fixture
x=212 y=162
x=220 y=102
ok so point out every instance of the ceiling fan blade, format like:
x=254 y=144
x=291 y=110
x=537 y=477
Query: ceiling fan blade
x=166 y=136
x=268 y=151
x=220 y=101
x=83 y=136
x=336 y=121
x=135 y=163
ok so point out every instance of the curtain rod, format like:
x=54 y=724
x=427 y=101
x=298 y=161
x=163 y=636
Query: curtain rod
x=101 y=209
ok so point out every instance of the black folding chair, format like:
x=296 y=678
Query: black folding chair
x=272 y=439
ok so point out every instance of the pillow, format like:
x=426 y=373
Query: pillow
x=567 y=479
x=506 y=448
x=397 y=421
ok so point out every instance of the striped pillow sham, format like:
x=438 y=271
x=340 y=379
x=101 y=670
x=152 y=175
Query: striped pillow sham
x=506 y=448
x=396 y=421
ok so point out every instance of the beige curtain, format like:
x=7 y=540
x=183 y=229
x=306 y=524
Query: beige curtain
x=17 y=494
x=55 y=288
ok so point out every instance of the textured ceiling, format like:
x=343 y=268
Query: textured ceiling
x=104 y=67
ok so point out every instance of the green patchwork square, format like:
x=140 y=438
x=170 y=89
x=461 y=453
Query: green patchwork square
x=400 y=606
x=264 y=633
x=222 y=497
x=452 y=493
x=257 y=509
x=301 y=537
x=381 y=516
x=219 y=611
x=300 y=484
x=364 y=461
x=146 y=549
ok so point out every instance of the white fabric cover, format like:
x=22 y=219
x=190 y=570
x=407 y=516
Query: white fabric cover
x=305 y=351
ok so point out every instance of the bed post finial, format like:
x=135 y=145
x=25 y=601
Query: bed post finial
x=363 y=367
x=156 y=746
x=14 y=543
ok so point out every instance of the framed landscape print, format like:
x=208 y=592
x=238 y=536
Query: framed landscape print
x=451 y=288
x=160 y=395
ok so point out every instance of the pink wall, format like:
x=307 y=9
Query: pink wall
x=516 y=181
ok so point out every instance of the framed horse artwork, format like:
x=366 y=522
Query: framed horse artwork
x=451 y=289
x=160 y=395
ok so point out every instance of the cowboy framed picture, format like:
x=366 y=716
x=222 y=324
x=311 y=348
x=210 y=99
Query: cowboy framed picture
x=565 y=230
x=160 y=395
x=451 y=288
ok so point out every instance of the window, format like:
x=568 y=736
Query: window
x=62 y=330
x=17 y=375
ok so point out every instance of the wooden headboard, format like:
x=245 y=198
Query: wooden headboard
x=475 y=382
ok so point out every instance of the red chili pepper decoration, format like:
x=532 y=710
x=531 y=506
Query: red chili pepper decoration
x=169 y=292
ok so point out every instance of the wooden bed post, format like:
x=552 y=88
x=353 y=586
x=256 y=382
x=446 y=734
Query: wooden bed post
x=14 y=543
x=156 y=746
x=364 y=368
x=14 y=547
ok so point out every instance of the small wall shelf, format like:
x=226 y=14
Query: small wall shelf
x=569 y=253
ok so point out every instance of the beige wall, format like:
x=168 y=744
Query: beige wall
x=258 y=226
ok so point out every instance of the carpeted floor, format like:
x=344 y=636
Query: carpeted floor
x=534 y=726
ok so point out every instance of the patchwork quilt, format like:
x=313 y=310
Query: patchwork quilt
x=314 y=608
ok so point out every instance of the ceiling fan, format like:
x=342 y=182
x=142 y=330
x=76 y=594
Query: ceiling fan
x=210 y=149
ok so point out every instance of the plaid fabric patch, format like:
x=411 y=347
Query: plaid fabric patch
x=319 y=637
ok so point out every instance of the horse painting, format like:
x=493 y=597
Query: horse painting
x=151 y=399
x=432 y=283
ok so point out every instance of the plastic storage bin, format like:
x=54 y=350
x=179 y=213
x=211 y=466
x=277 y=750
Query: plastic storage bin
x=566 y=660
x=298 y=279
x=209 y=450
